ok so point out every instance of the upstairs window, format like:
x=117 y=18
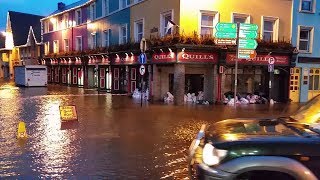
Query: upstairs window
x=209 y=19
x=270 y=29
x=122 y=4
x=123 y=34
x=46 y=48
x=56 y=46
x=241 y=18
x=105 y=7
x=106 y=37
x=307 y=5
x=78 y=17
x=93 y=11
x=138 y=30
x=305 y=37
x=79 y=43
x=66 y=45
x=93 y=40
x=165 y=18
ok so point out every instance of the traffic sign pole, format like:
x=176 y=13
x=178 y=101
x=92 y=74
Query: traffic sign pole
x=143 y=47
x=236 y=68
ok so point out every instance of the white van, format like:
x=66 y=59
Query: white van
x=30 y=75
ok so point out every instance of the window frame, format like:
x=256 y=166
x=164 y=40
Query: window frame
x=313 y=6
x=56 y=46
x=47 y=48
x=276 y=20
x=93 y=39
x=241 y=15
x=93 y=13
x=77 y=45
x=106 y=33
x=136 y=33
x=66 y=20
x=311 y=37
x=163 y=26
x=105 y=7
x=120 y=4
x=216 y=20
x=78 y=17
x=120 y=34
x=66 y=48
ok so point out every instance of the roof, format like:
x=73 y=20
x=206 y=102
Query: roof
x=67 y=7
x=20 y=25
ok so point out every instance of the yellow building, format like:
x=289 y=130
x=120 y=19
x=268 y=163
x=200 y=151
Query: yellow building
x=152 y=18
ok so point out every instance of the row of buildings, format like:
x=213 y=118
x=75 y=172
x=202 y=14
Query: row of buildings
x=95 y=44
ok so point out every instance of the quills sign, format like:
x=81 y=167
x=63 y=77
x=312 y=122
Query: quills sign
x=195 y=57
x=259 y=60
x=164 y=57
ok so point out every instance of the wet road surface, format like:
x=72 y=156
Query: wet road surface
x=114 y=137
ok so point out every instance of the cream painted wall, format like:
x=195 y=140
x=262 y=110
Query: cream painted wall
x=190 y=13
x=150 y=11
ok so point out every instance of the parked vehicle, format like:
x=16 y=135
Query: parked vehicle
x=255 y=149
x=30 y=75
x=309 y=113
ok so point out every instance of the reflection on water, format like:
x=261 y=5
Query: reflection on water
x=113 y=139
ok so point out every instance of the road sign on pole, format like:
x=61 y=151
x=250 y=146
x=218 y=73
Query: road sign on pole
x=271 y=60
x=248 y=34
x=249 y=27
x=142 y=58
x=225 y=41
x=226 y=27
x=270 y=67
x=142 y=70
x=247 y=44
x=226 y=35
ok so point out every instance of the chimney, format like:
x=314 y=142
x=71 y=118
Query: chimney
x=61 y=5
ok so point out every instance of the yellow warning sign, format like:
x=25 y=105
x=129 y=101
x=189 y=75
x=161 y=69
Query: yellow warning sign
x=22 y=131
x=68 y=113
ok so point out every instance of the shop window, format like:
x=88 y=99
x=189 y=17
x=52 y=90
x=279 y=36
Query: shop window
x=270 y=29
x=305 y=39
x=307 y=6
x=209 y=19
x=165 y=18
x=240 y=18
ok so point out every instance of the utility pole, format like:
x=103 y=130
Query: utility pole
x=236 y=68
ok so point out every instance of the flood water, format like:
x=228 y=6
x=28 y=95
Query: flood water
x=114 y=137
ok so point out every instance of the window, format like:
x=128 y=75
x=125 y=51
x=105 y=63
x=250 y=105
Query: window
x=92 y=11
x=208 y=22
x=240 y=18
x=46 y=27
x=78 y=17
x=79 y=43
x=314 y=79
x=66 y=21
x=270 y=29
x=305 y=39
x=106 y=36
x=46 y=48
x=105 y=7
x=138 y=30
x=56 y=46
x=122 y=4
x=66 y=45
x=123 y=34
x=307 y=6
x=164 y=19
x=93 y=40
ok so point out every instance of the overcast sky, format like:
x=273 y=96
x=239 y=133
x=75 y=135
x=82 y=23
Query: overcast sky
x=38 y=7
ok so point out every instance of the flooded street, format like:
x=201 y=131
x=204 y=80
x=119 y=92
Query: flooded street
x=114 y=137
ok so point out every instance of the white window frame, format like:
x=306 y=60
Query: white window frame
x=46 y=26
x=311 y=37
x=120 y=4
x=313 y=10
x=163 y=26
x=241 y=15
x=77 y=45
x=106 y=33
x=66 y=20
x=93 y=13
x=78 y=16
x=136 y=33
x=56 y=46
x=66 y=47
x=93 y=40
x=275 y=34
x=47 y=48
x=105 y=7
x=216 y=15
x=120 y=34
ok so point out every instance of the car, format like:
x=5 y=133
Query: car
x=255 y=149
x=309 y=113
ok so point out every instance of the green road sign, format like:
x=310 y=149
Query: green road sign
x=226 y=27
x=250 y=27
x=226 y=35
x=248 y=34
x=247 y=44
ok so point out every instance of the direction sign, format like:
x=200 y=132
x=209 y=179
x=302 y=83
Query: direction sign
x=142 y=58
x=246 y=54
x=225 y=42
x=226 y=27
x=142 y=70
x=247 y=44
x=248 y=34
x=270 y=67
x=250 y=27
x=226 y=35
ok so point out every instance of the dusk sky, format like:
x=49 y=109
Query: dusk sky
x=38 y=7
